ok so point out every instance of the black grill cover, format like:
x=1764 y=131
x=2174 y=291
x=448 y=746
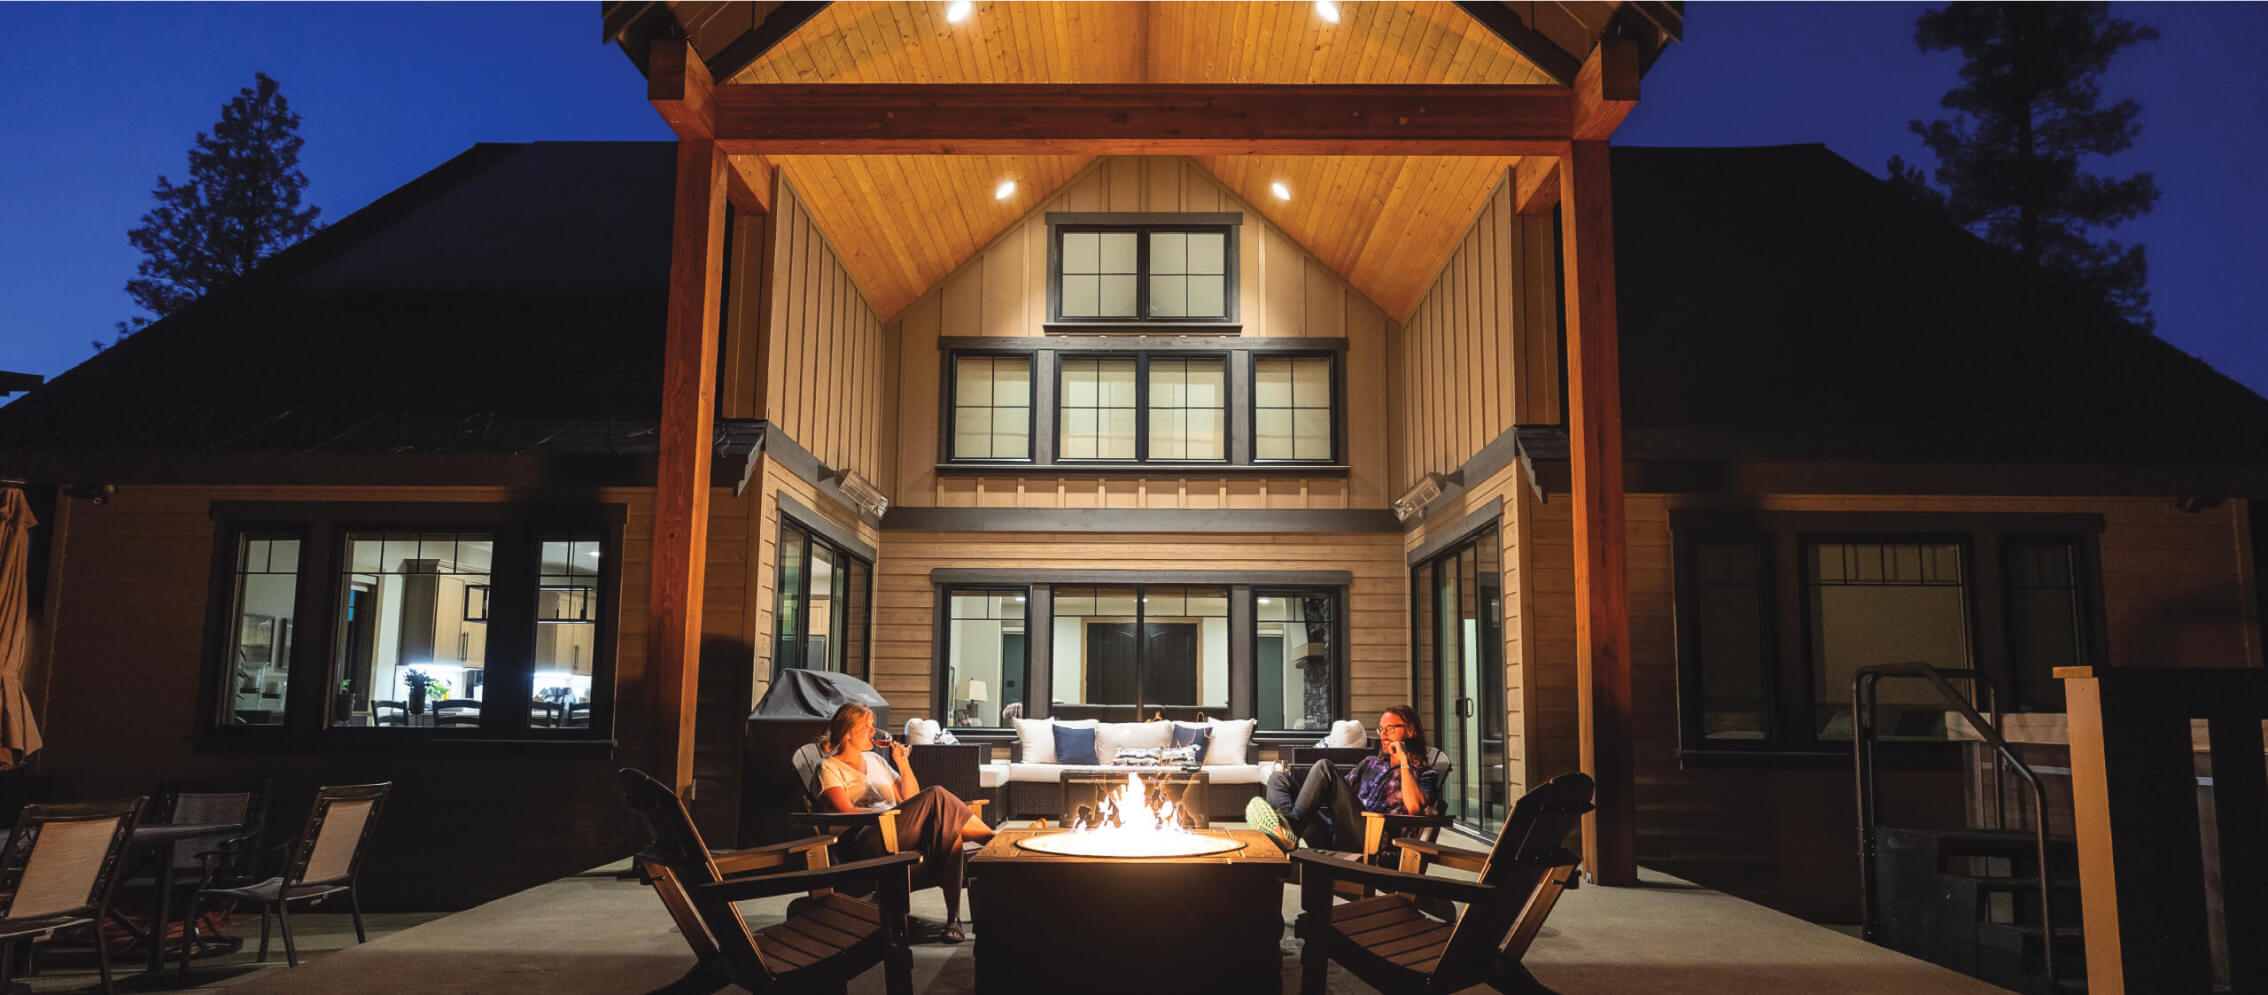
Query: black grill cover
x=793 y=712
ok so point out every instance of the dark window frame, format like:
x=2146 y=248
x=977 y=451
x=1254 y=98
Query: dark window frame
x=1982 y=537
x=948 y=438
x=1342 y=682
x=865 y=666
x=1141 y=642
x=1142 y=226
x=323 y=528
x=1337 y=378
x=940 y=691
x=1142 y=406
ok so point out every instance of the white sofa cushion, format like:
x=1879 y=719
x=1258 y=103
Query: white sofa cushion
x=1035 y=738
x=1222 y=774
x=1346 y=733
x=991 y=776
x=1232 y=741
x=927 y=732
x=1111 y=737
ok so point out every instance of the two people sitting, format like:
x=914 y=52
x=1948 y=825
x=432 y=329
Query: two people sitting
x=1323 y=805
x=931 y=821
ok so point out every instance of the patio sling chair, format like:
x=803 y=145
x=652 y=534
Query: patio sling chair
x=57 y=870
x=324 y=861
x=825 y=942
x=1393 y=946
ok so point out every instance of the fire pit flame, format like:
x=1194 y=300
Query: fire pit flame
x=1127 y=822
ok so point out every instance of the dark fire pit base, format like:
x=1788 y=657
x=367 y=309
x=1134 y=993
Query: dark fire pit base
x=1097 y=924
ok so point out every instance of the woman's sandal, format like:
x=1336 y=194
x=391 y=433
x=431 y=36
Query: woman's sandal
x=953 y=932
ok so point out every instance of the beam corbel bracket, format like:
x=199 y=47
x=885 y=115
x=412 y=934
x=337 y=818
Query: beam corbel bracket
x=678 y=85
x=1606 y=89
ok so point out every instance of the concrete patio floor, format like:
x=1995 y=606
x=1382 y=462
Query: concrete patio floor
x=598 y=933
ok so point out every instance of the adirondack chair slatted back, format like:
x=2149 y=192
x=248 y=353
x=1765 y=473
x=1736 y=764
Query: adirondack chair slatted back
x=62 y=859
x=1536 y=831
x=679 y=849
x=338 y=830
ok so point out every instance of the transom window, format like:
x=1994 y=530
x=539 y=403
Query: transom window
x=1165 y=271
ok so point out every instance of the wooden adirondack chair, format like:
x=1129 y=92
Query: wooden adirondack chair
x=824 y=943
x=851 y=826
x=1394 y=947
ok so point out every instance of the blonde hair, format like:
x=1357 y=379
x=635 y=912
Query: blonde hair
x=839 y=728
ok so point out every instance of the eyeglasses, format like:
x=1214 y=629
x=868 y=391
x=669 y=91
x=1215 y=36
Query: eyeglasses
x=1398 y=725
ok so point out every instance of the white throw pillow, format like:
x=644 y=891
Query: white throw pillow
x=920 y=733
x=1035 y=741
x=1232 y=738
x=1111 y=737
x=1346 y=733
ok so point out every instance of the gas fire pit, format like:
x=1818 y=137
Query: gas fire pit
x=1131 y=903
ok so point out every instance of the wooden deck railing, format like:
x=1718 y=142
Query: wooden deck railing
x=2142 y=860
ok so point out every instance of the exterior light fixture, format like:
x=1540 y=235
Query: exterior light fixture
x=861 y=492
x=1006 y=189
x=1281 y=191
x=1413 y=501
x=1327 y=10
x=958 y=11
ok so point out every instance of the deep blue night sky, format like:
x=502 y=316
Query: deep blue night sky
x=93 y=115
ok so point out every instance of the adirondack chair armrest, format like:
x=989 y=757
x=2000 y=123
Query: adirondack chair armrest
x=1447 y=856
x=1380 y=827
x=1319 y=871
x=756 y=858
x=745 y=889
x=882 y=821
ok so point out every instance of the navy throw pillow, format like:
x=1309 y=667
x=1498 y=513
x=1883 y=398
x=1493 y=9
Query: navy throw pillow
x=1198 y=736
x=1075 y=746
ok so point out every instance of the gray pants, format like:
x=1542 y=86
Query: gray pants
x=1319 y=806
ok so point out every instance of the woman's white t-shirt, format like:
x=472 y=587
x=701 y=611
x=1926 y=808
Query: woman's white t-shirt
x=869 y=785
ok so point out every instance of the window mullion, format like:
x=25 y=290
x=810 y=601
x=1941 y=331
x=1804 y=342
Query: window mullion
x=508 y=671
x=1142 y=274
x=1141 y=407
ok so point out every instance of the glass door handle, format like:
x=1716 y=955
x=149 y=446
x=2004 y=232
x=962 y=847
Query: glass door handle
x=1464 y=708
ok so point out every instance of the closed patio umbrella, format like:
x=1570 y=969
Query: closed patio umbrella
x=19 y=734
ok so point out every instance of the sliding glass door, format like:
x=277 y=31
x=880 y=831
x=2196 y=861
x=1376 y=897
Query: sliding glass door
x=1457 y=605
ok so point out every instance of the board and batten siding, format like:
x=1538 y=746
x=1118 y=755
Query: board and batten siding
x=1377 y=615
x=1284 y=292
x=2175 y=592
x=829 y=359
x=1480 y=353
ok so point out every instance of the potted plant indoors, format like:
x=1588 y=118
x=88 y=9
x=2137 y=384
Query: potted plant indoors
x=420 y=684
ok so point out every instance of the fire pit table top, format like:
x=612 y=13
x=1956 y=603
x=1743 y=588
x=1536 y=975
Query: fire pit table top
x=1242 y=846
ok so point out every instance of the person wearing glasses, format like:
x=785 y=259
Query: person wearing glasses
x=932 y=820
x=1324 y=806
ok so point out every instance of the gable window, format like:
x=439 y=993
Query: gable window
x=823 y=603
x=992 y=407
x=1292 y=409
x=1096 y=418
x=1142 y=268
x=1777 y=613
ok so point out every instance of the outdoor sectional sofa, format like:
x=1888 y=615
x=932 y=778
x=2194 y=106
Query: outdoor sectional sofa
x=1029 y=784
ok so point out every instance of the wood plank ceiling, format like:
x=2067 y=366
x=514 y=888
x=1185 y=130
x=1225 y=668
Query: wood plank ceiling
x=902 y=223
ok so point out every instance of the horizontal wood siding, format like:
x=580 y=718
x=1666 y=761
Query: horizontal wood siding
x=2175 y=591
x=1002 y=291
x=828 y=352
x=122 y=687
x=1377 y=612
x=1480 y=353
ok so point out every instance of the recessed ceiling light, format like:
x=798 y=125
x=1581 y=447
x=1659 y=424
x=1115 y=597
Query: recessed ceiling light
x=958 y=11
x=1281 y=191
x=1327 y=10
x=1004 y=190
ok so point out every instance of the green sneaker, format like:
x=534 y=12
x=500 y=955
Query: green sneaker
x=1266 y=819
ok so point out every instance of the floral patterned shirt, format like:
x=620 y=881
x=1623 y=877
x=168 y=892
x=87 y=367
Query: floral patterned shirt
x=1378 y=786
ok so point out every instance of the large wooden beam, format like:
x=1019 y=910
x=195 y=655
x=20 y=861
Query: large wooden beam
x=688 y=410
x=1602 y=591
x=1535 y=184
x=678 y=85
x=1142 y=119
x=1606 y=89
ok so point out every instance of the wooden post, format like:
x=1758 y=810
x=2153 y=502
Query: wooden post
x=679 y=88
x=1602 y=593
x=2134 y=803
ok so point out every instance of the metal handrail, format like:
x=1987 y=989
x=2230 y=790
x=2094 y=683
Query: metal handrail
x=1863 y=700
